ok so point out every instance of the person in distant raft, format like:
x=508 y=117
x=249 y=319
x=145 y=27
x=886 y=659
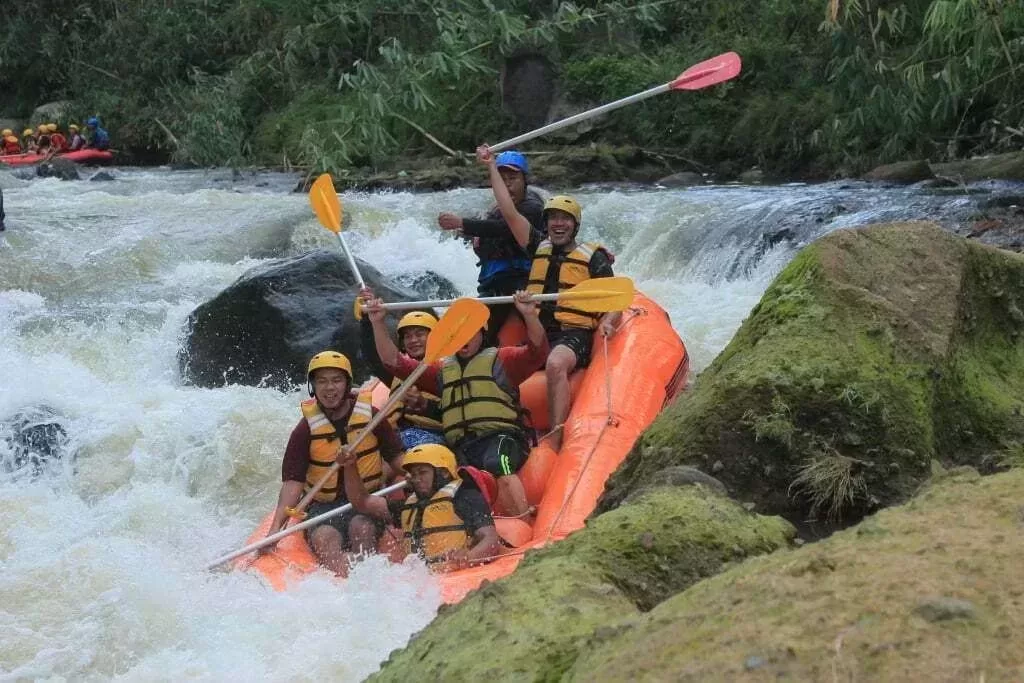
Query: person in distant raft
x=504 y=252
x=28 y=141
x=58 y=142
x=446 y=523
x=314 y=446
x=42 y=139
x=479 y=390
x=99 y=138
x=10 y=142
x=559 y=264
x=77 y=141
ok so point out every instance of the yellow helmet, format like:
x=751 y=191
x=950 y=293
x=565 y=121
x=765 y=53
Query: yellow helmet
x=417 y=319
x=51 y=128
x=6 y=132
x=565 y=203
x=42 y=128
x=329 y=359
x=11 y=139
x=27 y=132
x=434 y=455
x=72 y=126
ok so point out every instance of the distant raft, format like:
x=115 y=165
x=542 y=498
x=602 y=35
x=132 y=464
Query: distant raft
x=646 y=366
x=82 y=156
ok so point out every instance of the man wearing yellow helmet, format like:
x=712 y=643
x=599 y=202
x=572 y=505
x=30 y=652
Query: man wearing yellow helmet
x=58 y=142
x=559 y=264
x=418 y=416
x=10 y=142
x=77 y=140
x=446 y=520
x=331 y=419
x=28 y=141
x=42 y=139
x=479 y=390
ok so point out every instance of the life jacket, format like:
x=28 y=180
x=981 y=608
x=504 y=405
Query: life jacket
x=499 y=254
x=432 y=528
x=473 y=403
x=573 y=268
x=77 y=142
x=59 y=142
x=12 y=147
x=323 y=448
x=429 y=420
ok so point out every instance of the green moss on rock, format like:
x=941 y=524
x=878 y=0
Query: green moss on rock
x=530 y=625
x=875 y=351
x=930 y=591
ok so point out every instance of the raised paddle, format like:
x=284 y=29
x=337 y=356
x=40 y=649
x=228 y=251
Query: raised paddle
x=274 y=538
x=456 y=327
x=707 y=73
x=597 y=295
x=327 y=208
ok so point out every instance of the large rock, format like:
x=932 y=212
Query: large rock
x=34 y=437
x=927 y=592
x=531 y=625
x=873 y=353
x=1009 y=166
x=528 y=86
x=58 y=168
x=904 y=172
x=263 y=329
x=51 y=112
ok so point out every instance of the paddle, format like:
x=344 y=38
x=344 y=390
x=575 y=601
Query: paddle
x=327 y=208
x=597 y=295
x=274 y=538
x=456 y=327
x=707 y=73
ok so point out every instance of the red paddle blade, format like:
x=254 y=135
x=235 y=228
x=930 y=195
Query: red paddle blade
x=709 y=72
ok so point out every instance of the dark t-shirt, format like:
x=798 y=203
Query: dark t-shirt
x=470 y=506
x=496 y=239
x=296 y=453
x=600 y=266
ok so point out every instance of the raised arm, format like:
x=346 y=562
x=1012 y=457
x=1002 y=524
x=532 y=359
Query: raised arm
x=517 y=223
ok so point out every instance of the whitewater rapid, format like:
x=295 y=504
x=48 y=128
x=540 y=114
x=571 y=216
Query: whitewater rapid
x=100 y=562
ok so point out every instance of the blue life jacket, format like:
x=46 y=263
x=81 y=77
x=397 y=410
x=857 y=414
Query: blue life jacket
x=490 y=269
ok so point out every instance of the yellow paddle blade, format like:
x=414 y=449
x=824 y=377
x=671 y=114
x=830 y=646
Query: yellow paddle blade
x=460 y=322
x=601 y=295
x=326 y=204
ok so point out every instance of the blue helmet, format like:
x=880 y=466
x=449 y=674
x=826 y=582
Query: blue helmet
x=513 y=159
x=92 y=122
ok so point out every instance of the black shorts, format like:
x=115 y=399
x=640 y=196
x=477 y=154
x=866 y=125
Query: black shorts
x=577 y=340
x=500 y=454
x=340 y=522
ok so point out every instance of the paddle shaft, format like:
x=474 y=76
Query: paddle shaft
x=297 y=527
x=582 y=116
x=351 y=261
x=381 y=415
x=406 y=305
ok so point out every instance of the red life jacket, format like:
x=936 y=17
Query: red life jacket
x=12 y=147
x=59 y=142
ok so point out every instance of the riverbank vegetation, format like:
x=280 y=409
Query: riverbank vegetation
x=829 y=86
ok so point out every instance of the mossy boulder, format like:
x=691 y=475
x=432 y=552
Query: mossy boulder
x=873 y=353
x=530 y=625
x=931 y=591
x=901 y=172
x=1009 y=166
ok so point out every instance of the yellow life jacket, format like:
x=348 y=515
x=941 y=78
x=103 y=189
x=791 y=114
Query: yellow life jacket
x=433 y=529
x=323 y=448
x=573 y=268
x=473 y=403
x=430 y=419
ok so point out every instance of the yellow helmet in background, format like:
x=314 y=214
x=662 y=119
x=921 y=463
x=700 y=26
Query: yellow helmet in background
x=27 y=133
x=434 y=455
x=11 y=139
x=41 y=128
x=6 y=132
x=73 y=127
x=329 y=359
x=565 y=203
x=51 y=128
x=417 y=319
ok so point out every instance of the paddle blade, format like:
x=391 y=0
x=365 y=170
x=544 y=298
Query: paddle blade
x=460 y=322
x=709 y=72
x=601 y=295
x=326 y=204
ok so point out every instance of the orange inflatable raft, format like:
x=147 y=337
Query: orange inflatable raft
x=645 y=367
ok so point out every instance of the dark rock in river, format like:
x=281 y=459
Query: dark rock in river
x=904 y=172
x=263 y=329
x=34 y=436
x=58 y=168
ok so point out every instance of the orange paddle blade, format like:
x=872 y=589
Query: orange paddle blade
x=326 y=204
x=457 y=326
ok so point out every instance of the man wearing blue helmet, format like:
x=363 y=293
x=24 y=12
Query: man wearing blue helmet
x=99 y=138
x=505 y=254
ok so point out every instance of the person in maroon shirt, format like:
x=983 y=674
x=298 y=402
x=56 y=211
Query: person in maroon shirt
x=334 y=539
x=479 y=390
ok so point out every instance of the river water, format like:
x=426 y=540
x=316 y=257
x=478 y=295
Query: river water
x=100 y=561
